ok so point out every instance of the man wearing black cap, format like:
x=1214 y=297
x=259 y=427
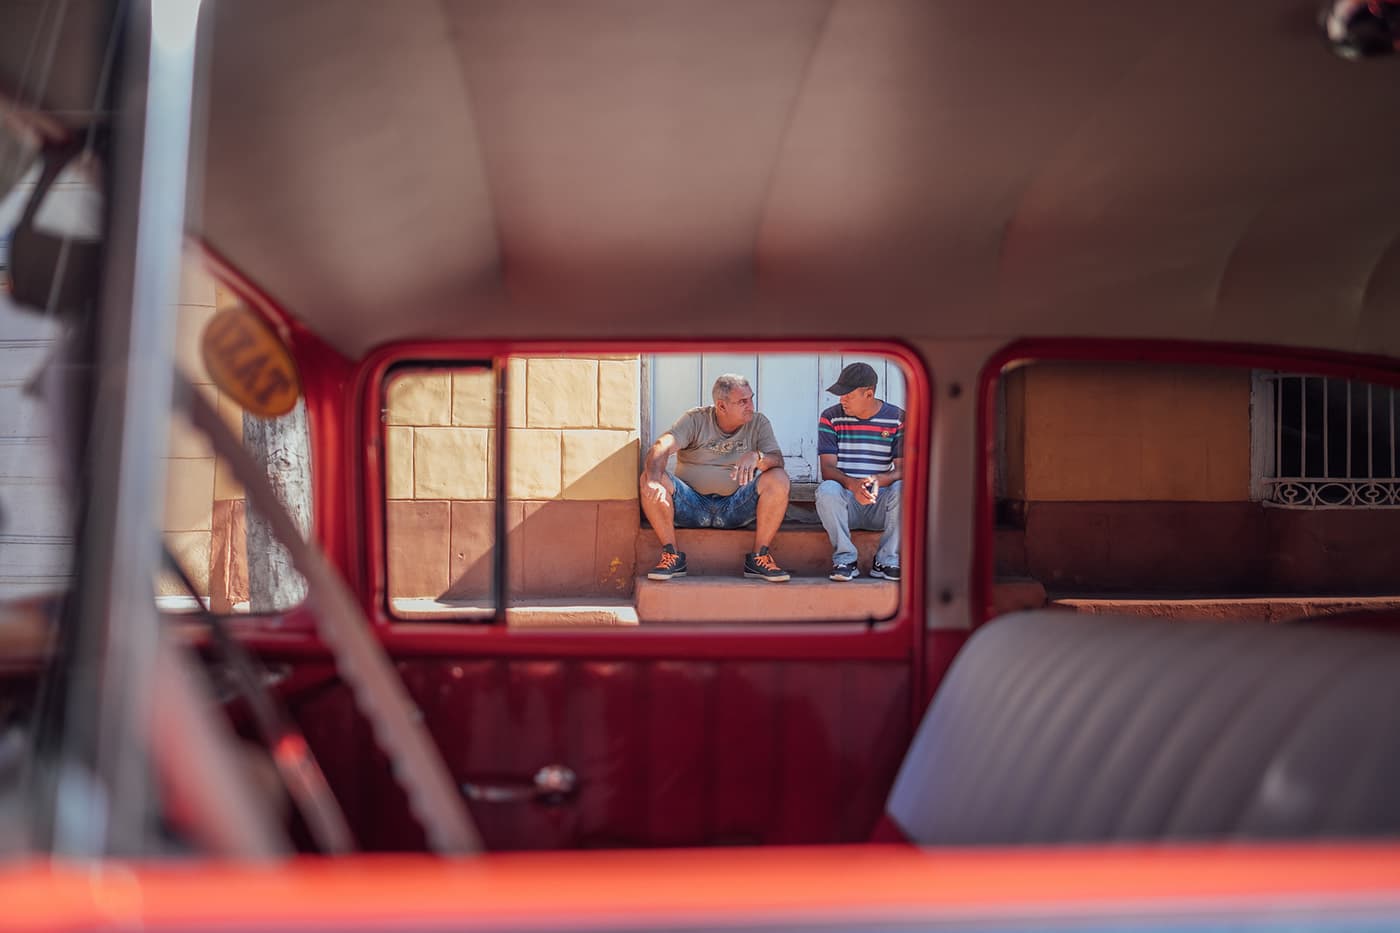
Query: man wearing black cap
x=861 y=446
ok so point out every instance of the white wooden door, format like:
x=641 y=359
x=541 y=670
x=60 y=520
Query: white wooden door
x=789 y=388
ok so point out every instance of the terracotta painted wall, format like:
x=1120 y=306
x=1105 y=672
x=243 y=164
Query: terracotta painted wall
x=1127 y=432
x=573 y=455
x=1134 y=479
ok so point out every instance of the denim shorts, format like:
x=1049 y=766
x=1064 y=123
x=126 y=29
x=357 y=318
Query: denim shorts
x=706 y=510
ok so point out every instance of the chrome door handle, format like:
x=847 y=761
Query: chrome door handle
x=551 y=785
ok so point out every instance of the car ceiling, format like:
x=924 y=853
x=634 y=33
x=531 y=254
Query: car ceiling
x=833 y=168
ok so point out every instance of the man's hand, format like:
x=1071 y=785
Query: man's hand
x=866 y=489
x=746 y=469
x=655 y=491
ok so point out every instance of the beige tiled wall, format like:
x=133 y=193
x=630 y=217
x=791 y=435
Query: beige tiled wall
x=573 y=441
x=196 y=482
x=189 y=491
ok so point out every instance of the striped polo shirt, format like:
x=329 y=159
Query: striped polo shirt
x=863 y=446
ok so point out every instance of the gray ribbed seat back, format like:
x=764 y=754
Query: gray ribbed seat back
x=1053 y=728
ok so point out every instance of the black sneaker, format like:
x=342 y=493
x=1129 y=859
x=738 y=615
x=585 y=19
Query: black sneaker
x=843 y=572
x=764 y=567
x=885 y=573
x=671 y=564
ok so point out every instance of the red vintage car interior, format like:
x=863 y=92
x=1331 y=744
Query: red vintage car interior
x=668 y=752
x=960 y=186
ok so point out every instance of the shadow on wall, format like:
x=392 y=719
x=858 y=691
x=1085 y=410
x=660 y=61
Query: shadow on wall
x=557 y=547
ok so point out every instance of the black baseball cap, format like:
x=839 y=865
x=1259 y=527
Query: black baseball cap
x=855 y=376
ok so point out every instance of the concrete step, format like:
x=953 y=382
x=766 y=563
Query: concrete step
x=739 y=599
x=523 y=613
x=802 y=550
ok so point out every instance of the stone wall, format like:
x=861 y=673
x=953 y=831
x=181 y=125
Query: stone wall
x=572 y=514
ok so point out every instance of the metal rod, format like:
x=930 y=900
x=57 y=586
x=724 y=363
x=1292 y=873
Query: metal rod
x=1326 y=446
x=1278 y=428
x=500 y=564
x=1349 y=417
x=1303 y=433
x=1370 y=437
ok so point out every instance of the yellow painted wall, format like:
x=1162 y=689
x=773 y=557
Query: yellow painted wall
x=573 y=433
x=195 y=479
x=1128 y=432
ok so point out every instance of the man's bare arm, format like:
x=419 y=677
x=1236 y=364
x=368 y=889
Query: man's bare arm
x=893 y=475
x=830 y=471
x=658 y=455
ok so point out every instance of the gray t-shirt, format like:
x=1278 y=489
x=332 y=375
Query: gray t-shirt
x=705 y=453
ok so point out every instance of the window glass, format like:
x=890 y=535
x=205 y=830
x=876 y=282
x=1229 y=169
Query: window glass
x=440 y=488
x=591 y=505
x=1193 y=491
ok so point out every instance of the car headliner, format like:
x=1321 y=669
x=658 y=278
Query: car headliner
x=834 y=168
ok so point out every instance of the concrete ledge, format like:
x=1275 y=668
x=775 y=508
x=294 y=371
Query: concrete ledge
x=537 y=613
x=1017 y=595
x=802 y=550
x=742 y=600
x=1251 y=608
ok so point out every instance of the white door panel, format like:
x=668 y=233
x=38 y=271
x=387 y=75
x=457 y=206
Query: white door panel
x=789 y=399
x=675 y=387
x=790 y=389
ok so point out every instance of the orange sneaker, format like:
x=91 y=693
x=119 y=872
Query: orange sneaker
x=763 y=567
x=671 y=564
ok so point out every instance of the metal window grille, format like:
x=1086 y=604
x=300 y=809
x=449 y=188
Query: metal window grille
x=1324 y=442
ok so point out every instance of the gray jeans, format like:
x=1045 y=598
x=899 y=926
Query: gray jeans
x=839 y=512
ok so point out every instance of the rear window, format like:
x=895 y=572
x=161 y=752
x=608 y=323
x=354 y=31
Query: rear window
x=1181 y=490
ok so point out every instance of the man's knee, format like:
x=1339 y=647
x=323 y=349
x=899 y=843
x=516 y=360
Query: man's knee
x=774 y=481
x=830 y=491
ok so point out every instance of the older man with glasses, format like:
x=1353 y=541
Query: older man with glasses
x=729 y=474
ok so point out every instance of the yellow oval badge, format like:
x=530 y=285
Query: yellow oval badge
x=246 y=359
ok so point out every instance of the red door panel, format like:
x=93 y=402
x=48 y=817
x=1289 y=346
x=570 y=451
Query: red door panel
x=667 y=752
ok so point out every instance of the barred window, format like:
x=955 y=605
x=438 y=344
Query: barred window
x=1322 y=442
